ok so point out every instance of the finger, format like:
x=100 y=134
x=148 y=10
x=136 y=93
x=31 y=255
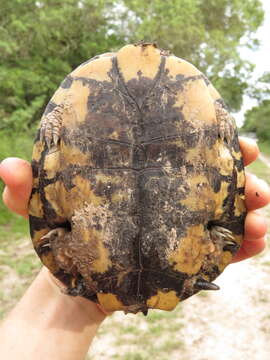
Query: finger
x=254 y=240
x=257 y=192
x=17 y=175
x=255 y=226
x=249 y=149
x=249 y=249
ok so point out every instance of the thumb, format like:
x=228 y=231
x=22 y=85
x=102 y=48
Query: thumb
x=17 y=175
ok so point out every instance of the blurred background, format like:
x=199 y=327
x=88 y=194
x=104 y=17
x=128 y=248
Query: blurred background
x=228 y=40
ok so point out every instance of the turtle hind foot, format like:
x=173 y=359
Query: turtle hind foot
x=77 y=288
x=59 y=232
x=58 y=241
x=44 y=244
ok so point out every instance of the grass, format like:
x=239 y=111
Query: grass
x=133 y=356
x=14 y=227
x=260 y=169
x=157 y=316
x=264 y=147
x=19 y=265
x=18 y=262
x=13 y=145
x=17 y=144
x=139 y=337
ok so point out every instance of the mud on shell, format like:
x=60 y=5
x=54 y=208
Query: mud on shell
x=138 y=195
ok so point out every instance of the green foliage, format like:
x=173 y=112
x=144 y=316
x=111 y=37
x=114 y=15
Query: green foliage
x=206 y=33
x=257 y=120
x=42 y=41
x=261 y=90
x=14 y=144
x=260 y=169
x=265 y=148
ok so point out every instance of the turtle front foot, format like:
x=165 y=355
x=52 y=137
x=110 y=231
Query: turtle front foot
x=57 y=233
x=224 y=237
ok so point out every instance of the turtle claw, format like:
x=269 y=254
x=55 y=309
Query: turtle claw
x=78 y=290
x=225 y=123
x=46 y=245
x=43 y=245
x=57 y=232
x=230 y=243
x=231 y=246
x=225 y=238
x=51 y=126
x=47 y=239
x=219 y=232
x=202 y=284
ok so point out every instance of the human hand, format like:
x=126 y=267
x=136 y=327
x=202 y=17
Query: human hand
x=45 y=317
x=17 y=175
x=45 y=323
x=257 y=195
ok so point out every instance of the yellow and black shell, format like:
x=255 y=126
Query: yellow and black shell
x=138 y=195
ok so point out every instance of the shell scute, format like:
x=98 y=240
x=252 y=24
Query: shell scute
x=137 y=161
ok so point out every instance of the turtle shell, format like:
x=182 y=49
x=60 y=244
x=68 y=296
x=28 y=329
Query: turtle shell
x=138 y=195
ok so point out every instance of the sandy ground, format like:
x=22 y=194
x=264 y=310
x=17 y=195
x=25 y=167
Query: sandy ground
x=235 y=322
x=230 y=324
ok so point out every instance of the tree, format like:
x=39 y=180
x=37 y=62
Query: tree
x=257 y=119
x=206 y=33
x=42 y=41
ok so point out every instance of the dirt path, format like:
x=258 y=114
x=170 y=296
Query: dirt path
x=231 y=324
x=235 y=323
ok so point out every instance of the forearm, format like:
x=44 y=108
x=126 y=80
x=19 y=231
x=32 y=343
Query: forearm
x=47 y=324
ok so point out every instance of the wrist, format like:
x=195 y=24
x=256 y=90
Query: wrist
x=48 y=324
x=81 y=306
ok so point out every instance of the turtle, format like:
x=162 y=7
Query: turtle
x=138 y=190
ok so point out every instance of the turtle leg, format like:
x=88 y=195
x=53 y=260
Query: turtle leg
x=50 y=127
x=225 y=123
x=59 y=232
x=58 y=240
